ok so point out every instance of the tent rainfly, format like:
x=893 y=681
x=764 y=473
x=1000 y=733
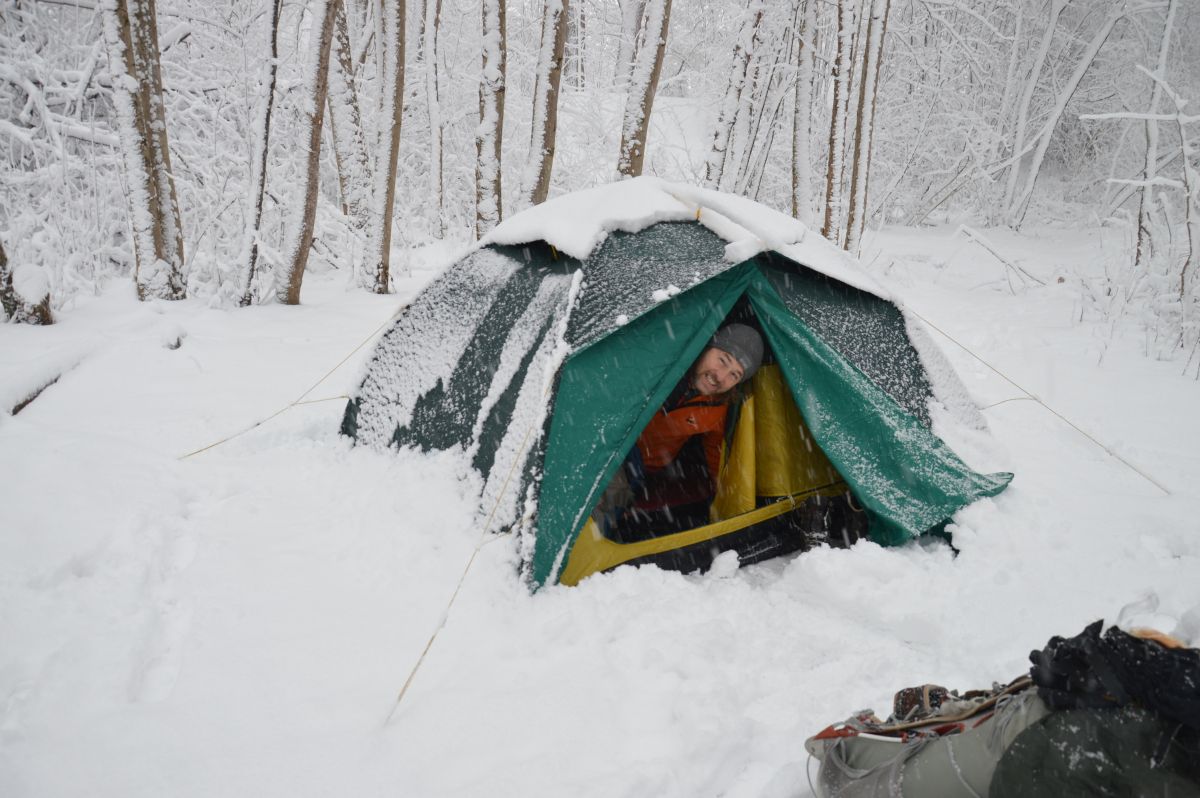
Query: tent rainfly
x=545 y=351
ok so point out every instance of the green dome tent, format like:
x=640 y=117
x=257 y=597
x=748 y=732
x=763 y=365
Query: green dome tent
x=543 y=353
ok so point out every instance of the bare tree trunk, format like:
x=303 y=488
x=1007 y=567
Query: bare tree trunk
x=390 y=116
x=433 y=26
x=642 y=88
x=872 y=55
x=262 y=134
x=316 y=84
x=131 y=32
x=345 y=124
x=802 y=207
x=837 y=129
x=18 y=307
x=1146 y=203
x=488 y=198
x=545 y=102
x=743 y=50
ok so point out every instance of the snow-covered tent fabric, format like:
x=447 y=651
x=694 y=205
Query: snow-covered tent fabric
x=544 y=353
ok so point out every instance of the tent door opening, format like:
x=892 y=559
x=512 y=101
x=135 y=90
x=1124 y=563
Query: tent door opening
x=776 y=493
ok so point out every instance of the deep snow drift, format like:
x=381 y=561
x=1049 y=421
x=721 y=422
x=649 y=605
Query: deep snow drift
x=240 y=621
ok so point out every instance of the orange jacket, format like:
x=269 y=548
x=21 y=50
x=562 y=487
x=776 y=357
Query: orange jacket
x=669 y=430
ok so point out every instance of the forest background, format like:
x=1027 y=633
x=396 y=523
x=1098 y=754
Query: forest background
x=220 y=150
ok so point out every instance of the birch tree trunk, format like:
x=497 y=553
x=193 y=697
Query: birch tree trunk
x=345 y=124
x=433 y=26
x=802 y=206
x=642 y=87
x=316 y=83
x=1146 y=202
x=872 y=55
x=262 y=140
x=490 y=135
x=714 y=166
x=391 y=114
x=545 y=101
x=15 y=304
x=131 y=34
x=837 y=129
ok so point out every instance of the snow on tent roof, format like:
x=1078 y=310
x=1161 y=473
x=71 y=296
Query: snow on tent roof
x=577 y=223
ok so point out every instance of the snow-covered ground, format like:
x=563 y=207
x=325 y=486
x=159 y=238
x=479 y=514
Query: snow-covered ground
x=239 y=620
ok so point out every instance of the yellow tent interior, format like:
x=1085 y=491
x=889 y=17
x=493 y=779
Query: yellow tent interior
x=772 y=467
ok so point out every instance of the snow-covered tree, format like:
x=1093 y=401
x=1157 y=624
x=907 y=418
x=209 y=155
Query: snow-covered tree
x=1040 y=143
x=727 y=114
x=544 y=126
x=391 y=114
x=131 y=33
x=346 y=128
x=1150 y=172
x=431 y=30
x=316 y=83
x=805 y=17
x=489 y=202
x=870 y=55
x=643 y=84
x=836 y=142
x=632 y=12
x=261 y=147
x=15 y=301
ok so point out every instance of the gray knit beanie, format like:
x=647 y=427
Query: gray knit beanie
x=744 y=343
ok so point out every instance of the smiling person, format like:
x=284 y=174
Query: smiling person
x=677 y=458
x=695 y=411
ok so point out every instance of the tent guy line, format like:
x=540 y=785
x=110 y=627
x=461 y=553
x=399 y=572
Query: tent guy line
x=300 y=400
x=1030 y=396
x=484 y=539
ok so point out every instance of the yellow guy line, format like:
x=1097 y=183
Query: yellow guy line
x=470 y=561
x=299 y=400
x=462 y=577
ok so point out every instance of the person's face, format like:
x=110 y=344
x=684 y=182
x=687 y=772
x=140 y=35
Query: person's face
x=716 y=372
